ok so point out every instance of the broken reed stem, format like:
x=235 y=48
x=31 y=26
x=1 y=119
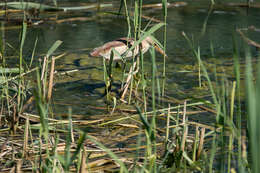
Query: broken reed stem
x=167 y=126
x=200 y=148
x=185 y=128
x=246 y=39
x=51 y=79
x=71 y=132
x=18 y=166
x=43 y=67
x=184 y=111
x=14 y=120
x=42 y=76
x=26 y=137
x=185 y=134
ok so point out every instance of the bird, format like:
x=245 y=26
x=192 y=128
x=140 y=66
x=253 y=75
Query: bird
x=124 y=48
x=121 y=46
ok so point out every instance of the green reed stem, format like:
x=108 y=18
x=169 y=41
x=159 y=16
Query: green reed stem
x=238 y=99
x=199 y=74
x=213 y=151
x=153 y=124
x=253 y=95
x=2 y=46
x=23 y=35
x=127 y=19
x=32 y=57
x=43 y=111
x=164 y=2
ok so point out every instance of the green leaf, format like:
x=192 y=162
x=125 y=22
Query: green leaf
x=54 y=47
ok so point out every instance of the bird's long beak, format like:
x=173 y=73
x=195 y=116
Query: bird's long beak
x=158 y=49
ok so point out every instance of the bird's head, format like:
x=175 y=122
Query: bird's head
x=153 y=42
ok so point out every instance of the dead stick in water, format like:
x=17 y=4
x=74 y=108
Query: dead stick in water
x=202 y=135
x=246 y=39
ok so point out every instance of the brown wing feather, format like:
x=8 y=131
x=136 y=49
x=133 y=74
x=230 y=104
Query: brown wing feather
x=108 y=46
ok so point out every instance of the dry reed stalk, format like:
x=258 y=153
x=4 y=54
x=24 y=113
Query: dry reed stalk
x=83 y=165
x=82 y=19
x=184 y=111
x=18 y=166
x=246 y=39
x=185 y=134
x=68 y=72
x=185 y=128
x=167 y=125
x=158 y=5
x=51 y=79
x=43 y=67
x=23 y=74
x=200 y=148
x=12 y=170
x=151 y=19
x=4 y=145
x=212 y=128
x=129 y=77
x=28 y=102
x=244 y=147
x=13 y=123
x=72 y=133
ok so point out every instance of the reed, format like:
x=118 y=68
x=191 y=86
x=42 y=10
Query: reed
x=188 y=146
x=165 y=7
x=252 y=108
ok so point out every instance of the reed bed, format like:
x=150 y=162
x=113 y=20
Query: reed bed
x=149 y=132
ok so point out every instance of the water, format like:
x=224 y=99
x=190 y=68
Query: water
x=83 y=90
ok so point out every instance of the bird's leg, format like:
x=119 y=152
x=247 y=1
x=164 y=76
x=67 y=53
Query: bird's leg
x=137 y=67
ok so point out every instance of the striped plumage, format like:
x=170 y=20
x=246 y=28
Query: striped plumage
x=121 y=45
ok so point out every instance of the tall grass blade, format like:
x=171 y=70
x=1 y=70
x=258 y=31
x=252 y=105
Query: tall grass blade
x=23 y=34
x=144 y=35
x=127 y=19
x=42 y=110
x=253 y=109
x=34 y=47
x=54 y=47
x=238 y=100
x=164 y=3
x=205 y=73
